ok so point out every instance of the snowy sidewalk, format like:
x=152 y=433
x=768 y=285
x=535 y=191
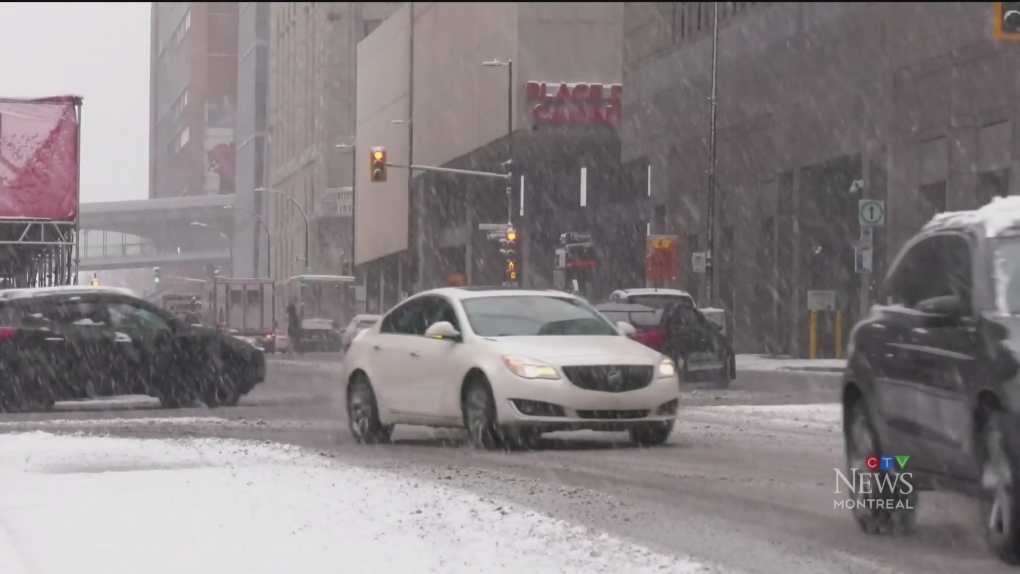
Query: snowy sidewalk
x=89 y=504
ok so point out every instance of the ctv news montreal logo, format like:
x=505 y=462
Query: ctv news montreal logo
x=881 y=484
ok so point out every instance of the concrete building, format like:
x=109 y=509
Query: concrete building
x=251 y=213
x=311 y=128
x=192 y=96
x=425 y=64
x=193 y=89
x=916 y=100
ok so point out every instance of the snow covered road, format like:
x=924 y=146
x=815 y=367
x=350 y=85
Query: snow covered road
x=87 y=504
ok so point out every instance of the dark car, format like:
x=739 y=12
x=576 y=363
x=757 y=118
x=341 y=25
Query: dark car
x=932 y=385
x=647 y=322
x=66 y=343
x=680 y=331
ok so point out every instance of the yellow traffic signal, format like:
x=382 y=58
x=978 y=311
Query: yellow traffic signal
x=511 y=235
x=511 y=266
x=95 y=280
x=378 y=165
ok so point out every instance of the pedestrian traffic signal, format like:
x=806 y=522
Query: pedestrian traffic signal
x=95 y=280
x=378 y=165
x=155 y=275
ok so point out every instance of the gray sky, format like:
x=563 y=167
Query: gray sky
x=98 y=50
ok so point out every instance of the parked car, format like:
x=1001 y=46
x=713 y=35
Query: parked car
x=682 y=332
x=932 y=376
x=358 y=324
x=647 y=322
x=507 y=365
x=64 y=343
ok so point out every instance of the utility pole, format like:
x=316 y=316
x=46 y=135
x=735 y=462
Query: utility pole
x=710 y=255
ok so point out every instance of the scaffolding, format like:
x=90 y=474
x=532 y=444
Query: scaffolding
x=42 y=252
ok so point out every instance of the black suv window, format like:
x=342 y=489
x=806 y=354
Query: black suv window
x=407 y=319
x=49 y=311
x=933 y=268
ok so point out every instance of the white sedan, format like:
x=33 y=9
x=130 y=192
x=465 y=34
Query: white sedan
x=507 y=365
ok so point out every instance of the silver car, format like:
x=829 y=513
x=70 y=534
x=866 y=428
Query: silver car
x=358 y=324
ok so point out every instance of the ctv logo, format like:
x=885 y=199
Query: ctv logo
x=881 y=484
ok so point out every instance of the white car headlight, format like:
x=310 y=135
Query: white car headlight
x=530 y=368
x=667 y=368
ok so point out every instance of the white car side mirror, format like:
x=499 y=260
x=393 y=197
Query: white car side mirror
x=442 y=330
x=625 y=329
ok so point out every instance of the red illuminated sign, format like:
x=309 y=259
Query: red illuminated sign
x=561 y=103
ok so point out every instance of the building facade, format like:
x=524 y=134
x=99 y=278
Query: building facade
x=193 y=91
x=192 y=96
x=435 y=88
x=252 y=252
x=310 y=151
x=915 y=101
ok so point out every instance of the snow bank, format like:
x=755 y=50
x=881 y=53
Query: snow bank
x=90 y=504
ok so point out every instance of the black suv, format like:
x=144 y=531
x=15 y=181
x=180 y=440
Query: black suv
x=933 y=374
x=67 y=343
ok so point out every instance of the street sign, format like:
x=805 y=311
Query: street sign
x=821 y=300
x=699 y=263
x=492 y=226
x=864 y=257
x=493 y=235
x=871 y=212
x=662 y=257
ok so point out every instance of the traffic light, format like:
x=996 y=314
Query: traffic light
x=95 y=280
x=155 y=275
x=378 y=167
x=510 y=250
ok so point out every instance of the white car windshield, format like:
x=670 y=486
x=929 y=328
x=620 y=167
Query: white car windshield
x=533 y=315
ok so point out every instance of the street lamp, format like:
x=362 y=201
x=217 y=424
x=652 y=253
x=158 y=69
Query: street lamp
x=269 y=237
x=230 y=244
x=510 y=89
x=304 y=214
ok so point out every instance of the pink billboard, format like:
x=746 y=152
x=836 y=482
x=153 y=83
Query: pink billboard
x=39 y=173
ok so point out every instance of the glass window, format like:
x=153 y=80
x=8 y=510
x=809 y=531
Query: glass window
x=128 y=316
x=936 y=267
x=1006 y=265
x=534 y=315
x=438 y=309
x=45 y=312
x=407 y=319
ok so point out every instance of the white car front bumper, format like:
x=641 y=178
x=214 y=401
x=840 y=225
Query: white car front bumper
x=562 y=405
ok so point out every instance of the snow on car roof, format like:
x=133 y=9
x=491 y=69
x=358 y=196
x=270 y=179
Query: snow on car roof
x=475 y=293
x=999 y=215
x=652 y=291
x=62 y=289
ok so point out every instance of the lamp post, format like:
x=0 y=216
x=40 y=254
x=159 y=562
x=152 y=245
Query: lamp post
x=710 y=255
x=269 y=237
x=419 y=202
x=509 y=64
x=304 y=214
x=230 y=244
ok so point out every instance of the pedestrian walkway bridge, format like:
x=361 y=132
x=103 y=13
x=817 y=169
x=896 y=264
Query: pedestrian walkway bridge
x=154 y=232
